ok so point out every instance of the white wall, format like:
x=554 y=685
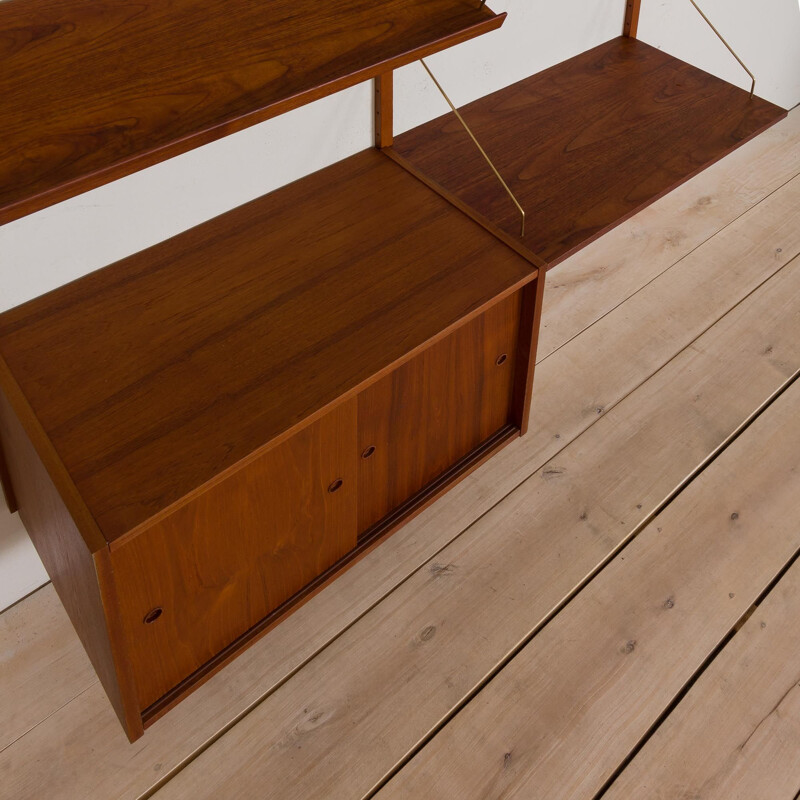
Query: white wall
x=764 y=33
x=58 y=244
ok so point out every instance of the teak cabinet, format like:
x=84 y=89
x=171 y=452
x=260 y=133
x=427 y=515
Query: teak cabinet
x=165 y=605
x=200 y=437
x=425 y=416
x=193 y=583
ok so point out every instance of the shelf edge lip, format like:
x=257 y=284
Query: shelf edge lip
x=17 y=209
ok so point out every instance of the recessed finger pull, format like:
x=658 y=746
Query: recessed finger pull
x=335 y=486
x=501 y=359
x=151 y=616
x=368 y=451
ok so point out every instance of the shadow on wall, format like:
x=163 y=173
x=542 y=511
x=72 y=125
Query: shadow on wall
x=22 y=571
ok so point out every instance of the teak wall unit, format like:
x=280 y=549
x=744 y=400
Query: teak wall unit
x=201 y=436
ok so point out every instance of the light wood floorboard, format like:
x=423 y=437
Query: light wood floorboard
x=574 y=389
x=736 y=735
x=42 y=664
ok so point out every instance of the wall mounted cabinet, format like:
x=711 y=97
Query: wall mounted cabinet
x=202 y=435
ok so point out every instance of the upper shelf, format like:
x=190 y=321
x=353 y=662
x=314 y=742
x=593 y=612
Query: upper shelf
x=587 y=143
x=92 y=91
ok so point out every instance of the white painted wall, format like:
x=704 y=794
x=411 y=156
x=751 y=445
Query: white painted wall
x=765 y=34
x=61 y=243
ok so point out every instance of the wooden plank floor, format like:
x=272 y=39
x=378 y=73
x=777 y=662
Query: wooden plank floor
x=606 y=609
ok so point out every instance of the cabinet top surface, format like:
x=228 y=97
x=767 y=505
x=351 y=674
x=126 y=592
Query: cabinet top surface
x=153 y=375
x=92 y=90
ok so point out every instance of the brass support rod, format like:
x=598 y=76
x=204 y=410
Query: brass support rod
x=732 y=51
x=478 y=145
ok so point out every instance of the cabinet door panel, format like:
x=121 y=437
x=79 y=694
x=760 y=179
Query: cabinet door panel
x=221 y=563
x=420 y=419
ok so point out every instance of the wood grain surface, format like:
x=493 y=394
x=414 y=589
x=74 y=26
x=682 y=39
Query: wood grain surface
x=188 y=357
x=426 y=415
x=221 y=563
x=384 y=109
x=587 y=143
x=92 y=91
x=576 y=701
x=529 y=327
x=627 y=258
x=631 y=25
x=5 y=482
x=72 y=567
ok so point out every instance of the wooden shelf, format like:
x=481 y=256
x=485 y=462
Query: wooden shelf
x=154 y=375
x=587 y=143
x=91 y=91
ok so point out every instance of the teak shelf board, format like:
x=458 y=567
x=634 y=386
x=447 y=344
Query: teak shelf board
x=155 y=375
x=587 y=143
x=91 y=91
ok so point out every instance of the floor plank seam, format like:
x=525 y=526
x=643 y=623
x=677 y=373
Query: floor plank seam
x=25 y=597
x=674 y=264
x=746 y=616
x=732 y=633
x=245 y=712
x=659 y=508
x=44 y=719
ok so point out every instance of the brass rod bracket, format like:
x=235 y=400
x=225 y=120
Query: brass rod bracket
x=478 y=145
x=732 y=51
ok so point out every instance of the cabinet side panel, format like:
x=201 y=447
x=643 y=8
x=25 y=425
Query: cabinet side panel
x=530 y=322
x=67 y=560
x=5 y=481
x=196 y=581
x=426 y=415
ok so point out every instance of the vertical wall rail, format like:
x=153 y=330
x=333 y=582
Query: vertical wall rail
x=384 y=110
x=631 y=26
